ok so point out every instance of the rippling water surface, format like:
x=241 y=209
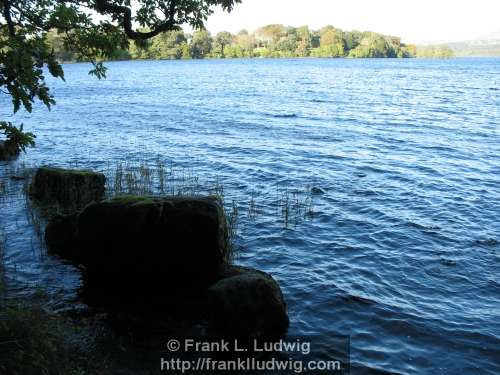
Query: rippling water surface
x=402 y=251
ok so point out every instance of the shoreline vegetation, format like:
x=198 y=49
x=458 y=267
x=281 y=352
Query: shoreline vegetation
x=271 y=41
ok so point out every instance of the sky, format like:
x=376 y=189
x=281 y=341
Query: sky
x=415 y=21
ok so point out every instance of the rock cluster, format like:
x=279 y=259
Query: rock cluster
x=164 y=246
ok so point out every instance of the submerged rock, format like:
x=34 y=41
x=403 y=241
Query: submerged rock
x=7 y=152
x=67 y=188
x=247 y=303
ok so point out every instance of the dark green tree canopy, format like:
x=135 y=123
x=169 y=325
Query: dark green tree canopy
x=93 y=30
x=221 y=40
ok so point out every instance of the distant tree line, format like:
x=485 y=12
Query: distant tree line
x=268 y=41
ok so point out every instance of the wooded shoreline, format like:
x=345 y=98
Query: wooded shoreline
x=271 y=41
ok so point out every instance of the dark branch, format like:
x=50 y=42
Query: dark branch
x=37 y=22
x=8 y=18
x=104 y=7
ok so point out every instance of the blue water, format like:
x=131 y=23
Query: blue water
x=402 y=251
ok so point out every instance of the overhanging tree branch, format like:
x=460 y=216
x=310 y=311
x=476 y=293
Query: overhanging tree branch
x=105 y=7
x=26 y=27
x=8 y=18
x=37 y=22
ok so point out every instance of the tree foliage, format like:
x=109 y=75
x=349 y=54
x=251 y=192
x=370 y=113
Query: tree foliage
x=40 y=33
x=201 y=44
x=17 y=139
x=222 y=40
x=268 y=41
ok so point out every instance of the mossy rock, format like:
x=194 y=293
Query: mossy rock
x=161 y=242
x=247 y=303
x=67 y=188
x=7 y=152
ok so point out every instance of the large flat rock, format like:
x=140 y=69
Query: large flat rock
x=172 y=240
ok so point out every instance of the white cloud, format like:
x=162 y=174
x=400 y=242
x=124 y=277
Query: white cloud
x=414 y=21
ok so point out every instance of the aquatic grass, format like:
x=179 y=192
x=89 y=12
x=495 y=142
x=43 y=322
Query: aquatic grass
x=3 y=190
x=158 y=180
x=22 y=171
x=253 y=210
x=294 y=205
x=14 y=173
x=118 y=179
x=3 y=247
x=160 y=170
x=145 y=175
x=36 y=218
x=166 y=178
x=242 y=211
x=232 y=217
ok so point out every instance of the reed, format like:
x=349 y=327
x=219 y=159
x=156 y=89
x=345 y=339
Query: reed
x=3 y=243
x=3 y=189
x=294 y=205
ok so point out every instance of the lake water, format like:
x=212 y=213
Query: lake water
x=402 y=250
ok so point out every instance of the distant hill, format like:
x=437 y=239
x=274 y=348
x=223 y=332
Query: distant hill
x=476 y=48
x=471 y=48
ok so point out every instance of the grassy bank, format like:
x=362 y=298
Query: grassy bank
x=34 y=341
